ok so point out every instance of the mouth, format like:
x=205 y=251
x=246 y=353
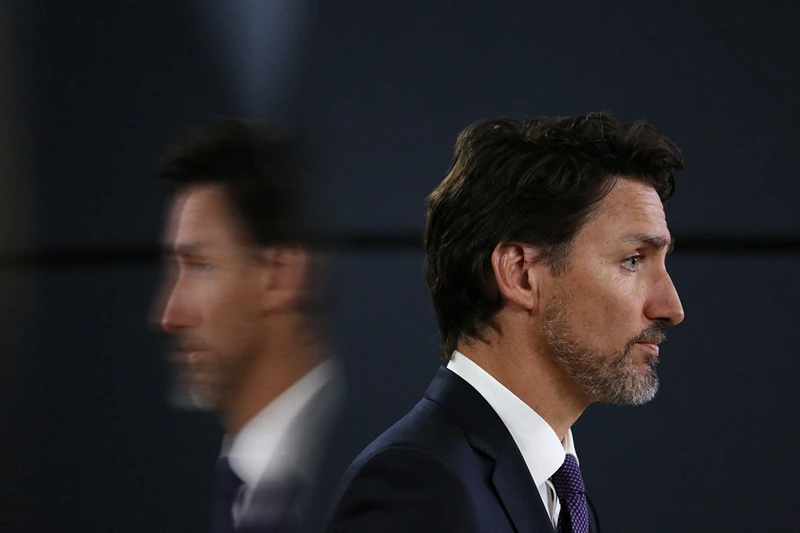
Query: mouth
x=185 y=357
x=650 y=345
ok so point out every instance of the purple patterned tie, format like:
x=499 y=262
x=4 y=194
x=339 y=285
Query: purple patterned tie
x=574 y=516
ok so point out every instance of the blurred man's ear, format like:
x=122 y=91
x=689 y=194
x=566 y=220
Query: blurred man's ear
x=285 y=280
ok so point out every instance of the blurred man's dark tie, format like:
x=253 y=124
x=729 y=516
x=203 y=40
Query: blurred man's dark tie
x=226 y=489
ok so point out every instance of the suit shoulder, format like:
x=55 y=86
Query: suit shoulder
x=402 y=488
x=407 y=458
x=427 y=427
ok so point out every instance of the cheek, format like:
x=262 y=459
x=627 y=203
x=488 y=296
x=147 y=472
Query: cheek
x=216 y=302
x=603 y=311
x=233 y=309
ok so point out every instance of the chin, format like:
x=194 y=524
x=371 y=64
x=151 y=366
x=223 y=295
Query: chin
x=638 y=386
x=193 y=396
x=643 y=391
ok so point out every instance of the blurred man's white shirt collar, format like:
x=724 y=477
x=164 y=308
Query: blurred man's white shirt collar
x=269 y=445
x=539 y=445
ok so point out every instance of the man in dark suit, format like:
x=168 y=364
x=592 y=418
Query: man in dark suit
x=241 y=301
x=545 y=258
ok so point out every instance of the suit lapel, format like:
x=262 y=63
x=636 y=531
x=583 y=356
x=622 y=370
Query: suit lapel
x=519 y=495
x=487 y=434
x=594 y=523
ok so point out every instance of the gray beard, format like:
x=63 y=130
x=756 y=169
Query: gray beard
x=614 y=377
x=186 y=393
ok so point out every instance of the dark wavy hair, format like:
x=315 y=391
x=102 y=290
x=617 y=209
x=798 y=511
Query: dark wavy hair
x=257 y=167
x=534 y=181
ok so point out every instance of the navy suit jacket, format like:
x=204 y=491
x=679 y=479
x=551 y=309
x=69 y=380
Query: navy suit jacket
x=450 y=465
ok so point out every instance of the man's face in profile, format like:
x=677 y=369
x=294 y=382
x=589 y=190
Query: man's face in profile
x=608 y=310
x=210 y=300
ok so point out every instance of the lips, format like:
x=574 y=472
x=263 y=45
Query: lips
x=650 y=345
x=184 y=356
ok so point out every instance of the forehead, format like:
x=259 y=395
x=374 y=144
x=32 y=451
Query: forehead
x=202 y=213
x=630 y=208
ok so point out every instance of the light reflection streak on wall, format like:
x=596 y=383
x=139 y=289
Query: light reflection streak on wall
x=261 y=46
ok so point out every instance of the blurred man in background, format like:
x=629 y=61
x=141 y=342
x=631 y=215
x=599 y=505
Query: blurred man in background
x=545 y=258
x=241 y=302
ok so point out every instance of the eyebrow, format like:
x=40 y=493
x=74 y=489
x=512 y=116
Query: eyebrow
x=655 y=241
x=190 y=248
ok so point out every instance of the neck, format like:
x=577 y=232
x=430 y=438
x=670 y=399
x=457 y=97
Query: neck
x=289 y=354
x=534 y=377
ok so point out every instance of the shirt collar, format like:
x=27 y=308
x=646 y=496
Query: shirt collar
x=539 y=445
x=264 y=448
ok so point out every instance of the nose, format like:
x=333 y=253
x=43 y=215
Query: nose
x=175 y=314
x=665 y=304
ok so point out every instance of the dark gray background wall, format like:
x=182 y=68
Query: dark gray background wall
x=95 y=90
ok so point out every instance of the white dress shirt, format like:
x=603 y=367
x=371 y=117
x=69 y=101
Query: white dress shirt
x=539 y=445
x=273 y=444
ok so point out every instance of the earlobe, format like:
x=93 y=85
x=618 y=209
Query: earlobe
x=515 y=271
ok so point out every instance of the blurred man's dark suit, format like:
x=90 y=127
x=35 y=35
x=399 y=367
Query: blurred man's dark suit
x=323 y=443
x=450 y=465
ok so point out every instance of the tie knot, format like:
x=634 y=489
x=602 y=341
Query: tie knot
x=568 y=480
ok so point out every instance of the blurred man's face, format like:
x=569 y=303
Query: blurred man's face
x=608 y=311
x=211 y=297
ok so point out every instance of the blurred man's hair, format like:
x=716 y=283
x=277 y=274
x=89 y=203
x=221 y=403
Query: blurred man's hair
x=262 y=172
x=535 y=182
x=259 y=170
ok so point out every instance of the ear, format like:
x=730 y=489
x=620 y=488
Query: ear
x=517 y=274
x=285 y=276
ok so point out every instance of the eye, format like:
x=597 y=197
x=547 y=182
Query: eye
x=632 y=262
x=199 y=266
